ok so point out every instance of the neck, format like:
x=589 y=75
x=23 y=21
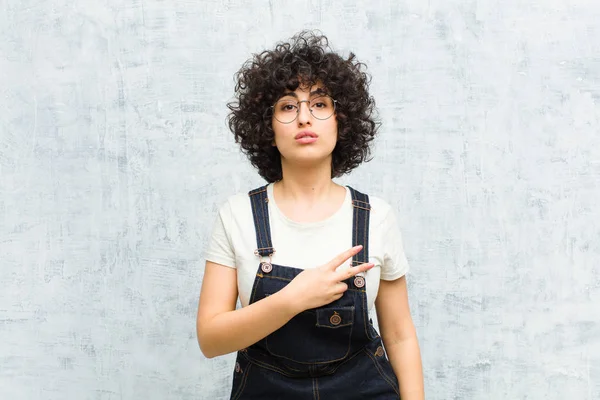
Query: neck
x=306 y=184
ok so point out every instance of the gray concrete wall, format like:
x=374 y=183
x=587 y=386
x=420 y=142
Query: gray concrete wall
x=114 y=155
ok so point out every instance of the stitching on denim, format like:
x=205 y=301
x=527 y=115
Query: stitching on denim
x=267 y=223
x=365 y=313
x=334 y=327
x=265 y=248
x=256 y=223
x=382 y=372
x=338 y=326
x=314 y=362
x=265 y=219
x=278 y=278
x=261 y=220
x=357 y=290
x=316 y=388
x=366 y=234
x=355 y=232
x=258 y=190
x=270 y=367
x=333 y=371
x=244 y=378
x=254 y=286
x=373 y=332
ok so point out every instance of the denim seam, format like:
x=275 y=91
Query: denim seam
x=365 y=236
x=265 y=224
x=334 y=327
x=257 y=223
x=365 y=316
x=259 y=363
x=243 y=382
x=254 y=286
x=381 y=372
x=273 y=368
x=276 y=277
x=314 y=362
x=260 y=212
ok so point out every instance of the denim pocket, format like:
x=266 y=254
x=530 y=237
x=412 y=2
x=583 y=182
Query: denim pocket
x=314 y=336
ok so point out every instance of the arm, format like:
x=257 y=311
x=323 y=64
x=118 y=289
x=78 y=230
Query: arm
x=400 y=338
x=220 y=327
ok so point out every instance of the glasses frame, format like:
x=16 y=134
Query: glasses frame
x=272 y=108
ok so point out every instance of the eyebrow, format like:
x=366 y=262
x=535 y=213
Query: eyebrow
x=314 y=92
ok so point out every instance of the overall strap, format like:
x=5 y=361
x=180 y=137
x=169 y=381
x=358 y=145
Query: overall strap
x=360 y=225
x=260 y=211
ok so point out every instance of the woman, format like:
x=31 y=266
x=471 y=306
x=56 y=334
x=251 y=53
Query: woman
x=309 y=259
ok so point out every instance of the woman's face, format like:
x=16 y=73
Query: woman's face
x=309 y=138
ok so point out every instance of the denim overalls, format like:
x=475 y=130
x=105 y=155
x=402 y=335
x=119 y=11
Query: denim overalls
x=331 y=352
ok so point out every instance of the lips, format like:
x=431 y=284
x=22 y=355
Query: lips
x=306 y=134
x=306 y=137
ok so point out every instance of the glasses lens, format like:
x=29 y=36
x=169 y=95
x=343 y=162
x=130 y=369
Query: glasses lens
x=322 y=107
x=286 y=110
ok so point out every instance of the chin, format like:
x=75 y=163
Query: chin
x=309 y=160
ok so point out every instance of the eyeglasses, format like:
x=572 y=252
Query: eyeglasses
x=286 y=110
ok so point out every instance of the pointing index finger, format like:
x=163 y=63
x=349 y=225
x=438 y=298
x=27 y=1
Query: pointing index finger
x=341 y=258
x=353 y=271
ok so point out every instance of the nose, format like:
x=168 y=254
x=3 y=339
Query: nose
x=304 y=114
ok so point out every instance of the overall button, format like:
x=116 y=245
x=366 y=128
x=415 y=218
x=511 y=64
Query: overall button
x=335 y=319
x=379 y=351
x=359 y=281
x=237 y=367
x=266 y=267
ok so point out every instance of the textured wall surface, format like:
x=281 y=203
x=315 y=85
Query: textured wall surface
x=114 y=156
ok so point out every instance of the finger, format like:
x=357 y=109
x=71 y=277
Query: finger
x=340 y=288
x=343 y=257
x=336 y=297
x=353 y=271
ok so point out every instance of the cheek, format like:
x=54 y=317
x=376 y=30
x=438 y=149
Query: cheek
x=335 y=130
x=276 y=129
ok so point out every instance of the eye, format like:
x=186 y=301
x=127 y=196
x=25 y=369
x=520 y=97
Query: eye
x=287 y=106
x=320 y=103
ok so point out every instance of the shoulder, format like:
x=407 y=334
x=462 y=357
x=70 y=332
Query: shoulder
x=238 y=204
x=382 y=212
x=381 y=209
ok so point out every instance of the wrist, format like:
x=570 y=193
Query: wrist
x=288 y=302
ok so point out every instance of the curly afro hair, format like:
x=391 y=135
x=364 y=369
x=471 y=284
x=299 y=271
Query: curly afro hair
x=305 y=60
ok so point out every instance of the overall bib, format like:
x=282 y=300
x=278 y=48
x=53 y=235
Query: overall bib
x=330 y=352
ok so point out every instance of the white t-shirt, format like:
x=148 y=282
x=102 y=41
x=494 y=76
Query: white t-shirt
x=305 y=245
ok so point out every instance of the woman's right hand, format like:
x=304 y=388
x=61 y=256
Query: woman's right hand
x=318 y=286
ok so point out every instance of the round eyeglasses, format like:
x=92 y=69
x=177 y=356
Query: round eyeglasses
x=286 y=110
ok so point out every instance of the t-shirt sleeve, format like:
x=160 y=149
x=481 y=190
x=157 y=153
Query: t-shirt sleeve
x=219 y=248
x=395 y=264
